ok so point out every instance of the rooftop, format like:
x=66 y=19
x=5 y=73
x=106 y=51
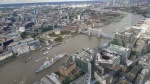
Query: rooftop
x=67 y=65
x=85 y=55
x=22 y=41
x=107 y=56
x=50 y=79
x=147 y=82
x=54 y=78
x=118 y=49
x=82 y=80
x=144 y=60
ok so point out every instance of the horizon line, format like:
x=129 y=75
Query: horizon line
x=49 y=2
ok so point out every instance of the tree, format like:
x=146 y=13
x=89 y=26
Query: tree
x=52 y=34
x=76 y=76
x=47 y=28
x=34 y=35
x=114 y=41
x=82 y=72
x=66 y=81
x=65 y=32
x=23 y=35
x=133 y=52
x=59 y=39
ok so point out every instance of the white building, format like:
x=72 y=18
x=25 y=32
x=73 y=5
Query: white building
x=21 y=29
x=79 y=17
x=24 y=46
x=108 y=59
x=21 y=49
x=49 y=79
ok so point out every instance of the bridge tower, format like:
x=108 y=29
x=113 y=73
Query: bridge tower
x=99 y=33
x=89 y=30
x=79 y=30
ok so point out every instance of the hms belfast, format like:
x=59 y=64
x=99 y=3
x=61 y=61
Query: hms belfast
x=48 y=63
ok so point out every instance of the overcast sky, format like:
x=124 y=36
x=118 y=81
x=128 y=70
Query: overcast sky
x=28 y=1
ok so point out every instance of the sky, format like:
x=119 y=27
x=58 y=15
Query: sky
x=29 y=1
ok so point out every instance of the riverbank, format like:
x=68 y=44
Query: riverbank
x=129 y=20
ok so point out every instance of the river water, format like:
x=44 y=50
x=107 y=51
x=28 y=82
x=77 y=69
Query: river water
x=17 y=72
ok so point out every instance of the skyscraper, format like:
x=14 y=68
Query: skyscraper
x=112 y=2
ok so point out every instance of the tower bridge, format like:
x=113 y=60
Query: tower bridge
x=94 y=32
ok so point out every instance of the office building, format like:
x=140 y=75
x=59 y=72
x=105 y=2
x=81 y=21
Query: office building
x=107 y=58
x=122 y=51
x=24 y=46
x=83 y=59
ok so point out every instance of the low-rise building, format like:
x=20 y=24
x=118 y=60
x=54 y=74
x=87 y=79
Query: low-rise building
x=143 y=76
x=145 y=60
x=103 y=79
x=5 y=55
x=24 y=46
x=71 y=28
x=145 y=73
x=132 y=75
x=67 y=68
x=50 y=79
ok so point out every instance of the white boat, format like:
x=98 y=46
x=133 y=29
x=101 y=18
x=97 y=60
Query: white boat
x=44 y=66
x=51 y=62
x=48 y=48
x=45 y=53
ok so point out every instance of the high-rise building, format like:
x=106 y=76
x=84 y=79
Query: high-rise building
x=79 y=17
x=113 y=2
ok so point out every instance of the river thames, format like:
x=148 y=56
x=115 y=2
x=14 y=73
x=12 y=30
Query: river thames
x=17 y=72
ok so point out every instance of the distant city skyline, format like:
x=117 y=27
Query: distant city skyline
x=31 y=1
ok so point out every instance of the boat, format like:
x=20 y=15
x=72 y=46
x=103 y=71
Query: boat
x=45 y=53
x=45 y=65
x=49 y=63
x=26 y=60
x=43 y=49
x=48 y=48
